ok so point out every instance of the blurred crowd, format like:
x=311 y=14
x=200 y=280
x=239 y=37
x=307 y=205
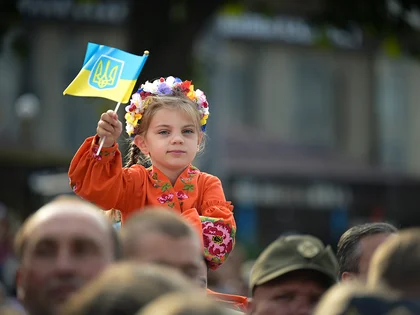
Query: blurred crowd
x=71 y=258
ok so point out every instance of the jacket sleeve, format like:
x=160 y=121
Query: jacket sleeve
x=214 y=203
x=101 y=179
x=215 y=222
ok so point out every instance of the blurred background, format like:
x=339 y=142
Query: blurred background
x=314 y=104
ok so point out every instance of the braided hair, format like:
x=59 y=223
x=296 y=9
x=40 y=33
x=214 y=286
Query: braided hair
x=135 y=156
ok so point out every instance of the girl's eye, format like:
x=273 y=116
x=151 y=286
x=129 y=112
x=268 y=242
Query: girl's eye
x=188 y=131
x=163 y=132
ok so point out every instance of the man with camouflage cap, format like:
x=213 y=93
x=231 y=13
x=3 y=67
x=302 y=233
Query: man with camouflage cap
x=291 y=275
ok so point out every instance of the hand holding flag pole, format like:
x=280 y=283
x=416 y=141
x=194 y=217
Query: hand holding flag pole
x=107 y=72
x=101 y=144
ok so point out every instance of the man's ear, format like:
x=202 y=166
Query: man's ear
x=347 y=276
x=140 y=142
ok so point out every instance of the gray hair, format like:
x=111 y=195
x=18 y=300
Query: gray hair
x=348 y=249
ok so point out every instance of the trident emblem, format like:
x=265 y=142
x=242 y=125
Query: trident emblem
x=106 y=73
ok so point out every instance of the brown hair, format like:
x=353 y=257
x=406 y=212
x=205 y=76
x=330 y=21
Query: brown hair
x=181 y=303
x=124 y=288
x=396 y=262
x=178 y=101
x=338 y=299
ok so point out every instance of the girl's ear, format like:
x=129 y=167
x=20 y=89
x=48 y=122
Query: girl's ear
x=200 y=138
x=140 y=142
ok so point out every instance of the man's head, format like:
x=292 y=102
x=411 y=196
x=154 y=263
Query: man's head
x=125 y=288
x=61 y=246
x=181 y=303
x=356 y=247
x=290 y=276
x=354 y=297
x=396 y=264
x=158 y=235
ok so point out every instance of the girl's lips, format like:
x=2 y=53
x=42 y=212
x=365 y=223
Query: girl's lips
x=176 y=151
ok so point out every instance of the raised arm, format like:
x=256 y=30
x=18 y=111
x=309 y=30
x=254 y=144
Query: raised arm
x=101 y=179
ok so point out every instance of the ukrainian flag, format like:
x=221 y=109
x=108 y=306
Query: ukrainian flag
x=107 y=72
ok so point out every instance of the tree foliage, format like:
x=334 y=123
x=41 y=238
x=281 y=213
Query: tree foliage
x=380 y=20
x=9 y=16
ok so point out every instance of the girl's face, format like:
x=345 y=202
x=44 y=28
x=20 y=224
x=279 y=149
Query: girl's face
x=172 y=140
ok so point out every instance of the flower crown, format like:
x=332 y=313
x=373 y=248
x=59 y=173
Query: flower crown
x=163 y=86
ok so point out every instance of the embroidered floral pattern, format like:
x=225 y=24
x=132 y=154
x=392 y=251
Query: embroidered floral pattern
x=101 y=154
x=219 y=239
x=193 y=170
x=95 y=153
x=168 y=198
x=181 y=195
x=73 y=186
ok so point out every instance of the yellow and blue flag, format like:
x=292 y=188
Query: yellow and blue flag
x=107 y=72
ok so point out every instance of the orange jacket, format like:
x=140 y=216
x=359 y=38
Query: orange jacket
x=236 y=302
x=103 y=181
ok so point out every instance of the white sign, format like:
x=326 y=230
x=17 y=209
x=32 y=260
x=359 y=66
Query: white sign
x=288 y=29
x=111 y=13
x=321 y=196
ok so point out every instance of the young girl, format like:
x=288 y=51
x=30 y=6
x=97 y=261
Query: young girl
x=167 y=120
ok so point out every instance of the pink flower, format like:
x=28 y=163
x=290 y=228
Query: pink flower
x=95 y=153
x=165 y=198
x=181 y=195
x=73 y=187
x=193 y=171
x=217 y=238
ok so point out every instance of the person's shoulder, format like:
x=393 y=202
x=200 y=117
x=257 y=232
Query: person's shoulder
x=208 y=178
x=195 y=170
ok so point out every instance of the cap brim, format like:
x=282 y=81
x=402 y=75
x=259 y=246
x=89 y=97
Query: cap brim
x=283 y=271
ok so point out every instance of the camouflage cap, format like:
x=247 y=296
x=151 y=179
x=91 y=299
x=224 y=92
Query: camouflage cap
x=292 y=253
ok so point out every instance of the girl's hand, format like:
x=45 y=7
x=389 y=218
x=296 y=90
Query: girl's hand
x=110 y=127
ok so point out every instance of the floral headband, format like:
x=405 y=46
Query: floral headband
x=163 y=86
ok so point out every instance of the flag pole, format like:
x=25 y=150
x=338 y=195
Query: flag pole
x=101 y=144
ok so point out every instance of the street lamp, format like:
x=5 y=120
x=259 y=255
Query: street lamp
x=27 y=107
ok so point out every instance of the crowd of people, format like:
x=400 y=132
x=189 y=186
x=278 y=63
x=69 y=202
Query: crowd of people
x=175 y=228
x=72 y=260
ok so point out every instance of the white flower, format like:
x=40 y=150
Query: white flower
x=170 y=81
x=200 y=95
x=129 y=128
x=136 y=99
x=150 y=87
x=205 y=111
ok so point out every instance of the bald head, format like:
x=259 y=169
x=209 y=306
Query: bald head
x=57 y=213
x=61 y=247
